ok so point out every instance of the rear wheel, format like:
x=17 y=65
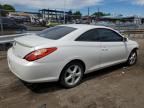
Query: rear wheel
x=132 y=58
x=72 y=74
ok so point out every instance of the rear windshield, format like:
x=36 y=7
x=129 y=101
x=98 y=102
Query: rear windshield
x=56 y=33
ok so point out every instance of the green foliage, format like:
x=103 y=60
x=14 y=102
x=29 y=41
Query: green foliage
x=77 y=15
x=100 y=14
x=70 y=12
x=1 y=6
x=5 y=8
x=69 y=17
x=8 y=7
x=2 y=13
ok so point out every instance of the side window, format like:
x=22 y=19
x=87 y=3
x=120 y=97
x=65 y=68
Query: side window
x=90 y=36
x=106 y=35
x=7 y=21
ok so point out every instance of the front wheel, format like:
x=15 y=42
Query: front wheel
x=132 y=58
x=72 y=74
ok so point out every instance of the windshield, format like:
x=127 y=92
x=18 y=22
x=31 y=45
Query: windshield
x=56 y=33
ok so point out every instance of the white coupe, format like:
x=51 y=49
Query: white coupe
x=65 y=53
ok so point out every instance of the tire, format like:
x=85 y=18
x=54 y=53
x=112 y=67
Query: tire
x=132 y=58
x=71 y=75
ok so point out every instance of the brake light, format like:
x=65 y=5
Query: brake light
x=35 y=55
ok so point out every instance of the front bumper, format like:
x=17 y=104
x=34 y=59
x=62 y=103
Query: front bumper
x=33 y=72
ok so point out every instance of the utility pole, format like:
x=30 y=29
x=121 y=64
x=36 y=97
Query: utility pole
x=88 y=15
x=64 y=11
x=98 y=13
x=88 y=12
x=1 y=24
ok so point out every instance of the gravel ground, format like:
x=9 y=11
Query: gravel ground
x=114 y=87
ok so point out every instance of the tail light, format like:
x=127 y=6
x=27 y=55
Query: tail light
x=35 y=55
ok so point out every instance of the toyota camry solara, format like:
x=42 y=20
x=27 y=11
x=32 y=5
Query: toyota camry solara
x=65 y=53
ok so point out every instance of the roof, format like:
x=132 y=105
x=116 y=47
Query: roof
x=118 y=17
x=49 y=10
x=83 y=26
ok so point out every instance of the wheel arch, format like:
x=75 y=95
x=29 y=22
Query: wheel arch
x=80 y=61
x=74 y=60
x=135 y=49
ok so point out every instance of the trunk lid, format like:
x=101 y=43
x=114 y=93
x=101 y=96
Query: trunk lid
x=26 y=44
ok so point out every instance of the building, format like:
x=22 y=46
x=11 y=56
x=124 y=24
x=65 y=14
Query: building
x=56 y=15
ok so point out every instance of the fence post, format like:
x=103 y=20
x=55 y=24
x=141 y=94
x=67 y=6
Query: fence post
x=128 y=35
x=1 y=24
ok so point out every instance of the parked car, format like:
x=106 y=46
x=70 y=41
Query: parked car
x=10 y=25
x=65 y=53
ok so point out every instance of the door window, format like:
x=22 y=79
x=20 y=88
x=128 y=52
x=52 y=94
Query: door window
x=106 y=35
x=90 y=36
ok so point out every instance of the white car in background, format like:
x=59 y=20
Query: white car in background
x=65 y=53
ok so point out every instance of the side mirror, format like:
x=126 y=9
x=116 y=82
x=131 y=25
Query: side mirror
x=125 y=39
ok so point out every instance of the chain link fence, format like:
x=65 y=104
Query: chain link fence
x=134 y=34
x=3 y=49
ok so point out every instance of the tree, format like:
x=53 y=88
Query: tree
x=101 y=14
x=2 y=12
x=69 y=16
x=8 y=7
x=5 y=9
x=77 y=15
x=1 y=6
x=70 y=12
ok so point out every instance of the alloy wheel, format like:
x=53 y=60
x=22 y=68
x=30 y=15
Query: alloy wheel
x=73 y=75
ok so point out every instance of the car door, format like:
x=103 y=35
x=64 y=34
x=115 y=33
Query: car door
x=113 y=48
x=90 y=49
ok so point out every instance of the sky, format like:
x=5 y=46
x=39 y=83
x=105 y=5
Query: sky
x=115 y=7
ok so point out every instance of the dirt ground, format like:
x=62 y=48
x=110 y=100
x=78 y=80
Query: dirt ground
x=114 y=87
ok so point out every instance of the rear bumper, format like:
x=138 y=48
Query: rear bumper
x=33 y=72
